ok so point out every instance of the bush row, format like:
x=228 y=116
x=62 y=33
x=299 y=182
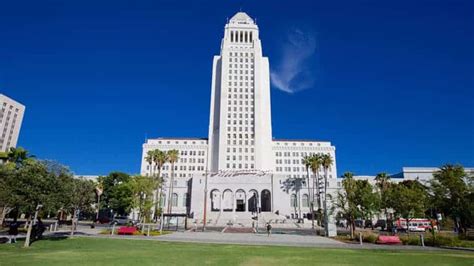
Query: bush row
x=414 y=240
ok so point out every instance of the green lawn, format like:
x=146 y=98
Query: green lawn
x=95 y=251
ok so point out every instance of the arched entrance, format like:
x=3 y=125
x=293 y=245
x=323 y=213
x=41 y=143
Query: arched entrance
x=266 y=201
x=252 y=201
x=215 y=200
x=227 y=201
x=240 y=200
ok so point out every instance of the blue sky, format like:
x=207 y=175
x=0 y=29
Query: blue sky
x=390 y=83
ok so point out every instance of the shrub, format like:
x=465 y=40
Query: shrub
x=413 y=240
x=444 y=240
x=370 y=238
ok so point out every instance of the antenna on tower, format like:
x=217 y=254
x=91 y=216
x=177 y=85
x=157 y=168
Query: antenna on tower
x=146 y=136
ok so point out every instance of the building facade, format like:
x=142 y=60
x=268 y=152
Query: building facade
x=240 y=168
x=11 y=117
x=422 y=174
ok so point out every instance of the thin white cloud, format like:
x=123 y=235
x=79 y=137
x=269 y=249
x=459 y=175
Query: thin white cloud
x=293 y=72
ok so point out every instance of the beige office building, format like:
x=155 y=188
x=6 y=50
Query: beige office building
x=11 y=116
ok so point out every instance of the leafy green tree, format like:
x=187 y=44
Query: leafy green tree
x=117 y=194
x=32 y=183
x=82 y=196
x=366 y=199
x=6 y=201
x=345 y=202
x=452 y=193
x=409 y=200
x=142 y=188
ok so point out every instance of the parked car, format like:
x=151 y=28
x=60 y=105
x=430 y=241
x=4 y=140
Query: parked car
x=359 y=223
x=123 y=220
x=104 y=220
x=382 y=224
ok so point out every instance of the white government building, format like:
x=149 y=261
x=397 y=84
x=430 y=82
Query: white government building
x=244 y=166
x=11 y=117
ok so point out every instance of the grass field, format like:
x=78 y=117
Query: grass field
x=95 y=251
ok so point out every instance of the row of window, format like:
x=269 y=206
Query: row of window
x=174 y=200
x=241 y=60
x=241 y=109
x=234 y=157
x=240 y=142
x=293 y=154
x=241 y=54
x=240 y=136
x=178 y=142
x=246 y=129
x=199 y=153
x=288 y=161
x=234 y=149
x=294 y=144
x=240 y=122
x=241 y=83
x=289 y=169
x=241 y=90
x=240 y=166
x=294 y=201
x=241 y=36
x=240 y=95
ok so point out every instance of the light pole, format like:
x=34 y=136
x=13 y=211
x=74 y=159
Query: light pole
x=205 y=202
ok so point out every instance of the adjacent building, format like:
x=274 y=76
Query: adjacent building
x=240 y=168
x=422 y=174
x=11 y=117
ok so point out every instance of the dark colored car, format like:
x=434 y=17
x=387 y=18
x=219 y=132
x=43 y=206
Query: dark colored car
x=382 y=224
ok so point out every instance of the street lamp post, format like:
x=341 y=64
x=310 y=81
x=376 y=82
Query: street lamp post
x=205 y=202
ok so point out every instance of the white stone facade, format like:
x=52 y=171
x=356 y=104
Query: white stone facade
x=243 y=165
x=11 y=117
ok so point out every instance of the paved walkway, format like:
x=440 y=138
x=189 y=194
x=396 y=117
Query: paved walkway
x=252 y=239
x=242 y=239
x=256 y=239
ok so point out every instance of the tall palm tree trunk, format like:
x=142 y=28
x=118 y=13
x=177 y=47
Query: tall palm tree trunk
x=318 y=196
x=158 y=196
x=170 y=203
x=325 y=201
x=310 y=199
x=172 y=188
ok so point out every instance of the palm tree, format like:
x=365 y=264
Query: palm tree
x=326 y=163
x=383 y=184
x=160 y=158
x=149 y=160
x=18 y=155
x=173 y=156
x=315 y=166
x=307 y=161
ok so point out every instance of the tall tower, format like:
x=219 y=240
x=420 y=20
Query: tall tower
x=11 y=117
x=240 y=131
